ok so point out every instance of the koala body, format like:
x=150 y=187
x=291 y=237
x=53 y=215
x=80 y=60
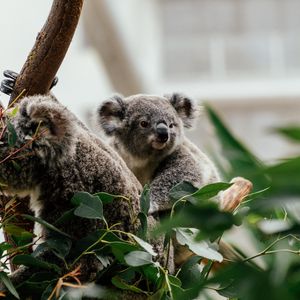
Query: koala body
x=148 y=132
x=63 y=158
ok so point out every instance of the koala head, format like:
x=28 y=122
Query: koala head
x=43 y=139
x=144 y=125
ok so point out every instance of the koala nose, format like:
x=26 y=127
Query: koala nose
x=162 y=132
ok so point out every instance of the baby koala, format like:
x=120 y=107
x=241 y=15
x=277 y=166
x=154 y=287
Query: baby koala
x=148 y=132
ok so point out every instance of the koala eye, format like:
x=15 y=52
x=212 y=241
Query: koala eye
x=144 y=124
x=171 y=125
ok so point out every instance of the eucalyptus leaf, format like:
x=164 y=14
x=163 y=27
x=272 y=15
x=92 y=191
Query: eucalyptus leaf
x=106 y=198
x=12 y=135
x=121 y=284
x=292 y=132
x=145 y=200
x=186 y=236
x=143 y=229
x=104 y=259
x=30 y=261
x=138 y=258
x=46 y=224
x=274 y=226
x=59 y=245
x=181 y=190
x=7 y=282
x=241 y=160
x=89 y=206
x=17 y=231
x=190 y=272
x=209 y=191
x=146 y=246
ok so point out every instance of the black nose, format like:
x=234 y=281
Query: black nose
x=162 y=132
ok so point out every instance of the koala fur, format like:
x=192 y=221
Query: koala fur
x=65 y=158
x=148 y=132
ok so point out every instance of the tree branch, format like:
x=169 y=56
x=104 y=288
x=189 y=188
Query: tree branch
x=49 y=49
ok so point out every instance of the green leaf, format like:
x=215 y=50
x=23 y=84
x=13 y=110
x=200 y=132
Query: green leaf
x=143 y=229
x=209 y=191
x=104 y=259
x=12 y=112
x=46 y=224
x=46 y=294
x=146 y=246
x=17 y=231
x=138 y=258
x=12 y=135
x=4 y=246
x=176 y=291
x=187 y=236
x=274 y=226
x=121 y=284
x=30 y=261
x=181 y=190
x=98 y=235
x=291 y=132
x=152 y=273
x=66 y=216
x=7 y=282
x=285 y=177
x=120 y=249
x=59 y=245
x=107 y=198
x=89 y=206
x=242 y=161
x=145 y=200
x=190 y=272
x=208 y=219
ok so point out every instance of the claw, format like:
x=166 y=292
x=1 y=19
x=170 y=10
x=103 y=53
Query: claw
x=7 y=86
x=54 y=82
x=10 y=74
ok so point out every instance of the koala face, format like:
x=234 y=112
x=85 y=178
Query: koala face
x=146 y=126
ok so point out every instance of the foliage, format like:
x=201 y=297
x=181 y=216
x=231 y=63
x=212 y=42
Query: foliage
x=270 y=217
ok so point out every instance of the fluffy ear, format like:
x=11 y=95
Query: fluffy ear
x=111 y=113
x=185 y=107
x=51 y=126
x=50 y=119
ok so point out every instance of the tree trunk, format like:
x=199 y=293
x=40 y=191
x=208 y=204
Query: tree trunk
x=49 y=49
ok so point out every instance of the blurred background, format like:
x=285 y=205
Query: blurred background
x=242 y=56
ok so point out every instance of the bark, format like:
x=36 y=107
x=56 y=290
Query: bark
x=49 y=49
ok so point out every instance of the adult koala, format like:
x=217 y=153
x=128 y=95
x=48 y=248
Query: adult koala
x=148 y=132
x=58 y=158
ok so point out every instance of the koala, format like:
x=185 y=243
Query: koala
x=148 y=132
x=63 y=158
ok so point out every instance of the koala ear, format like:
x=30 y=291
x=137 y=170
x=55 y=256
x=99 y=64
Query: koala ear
x=185 y=107
x=111 y=113
x=50 y=118
x=50 y=123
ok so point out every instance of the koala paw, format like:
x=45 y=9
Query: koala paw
x=7 y=85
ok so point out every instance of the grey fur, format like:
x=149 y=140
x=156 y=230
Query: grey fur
x=64 y=159
x=163 y=165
